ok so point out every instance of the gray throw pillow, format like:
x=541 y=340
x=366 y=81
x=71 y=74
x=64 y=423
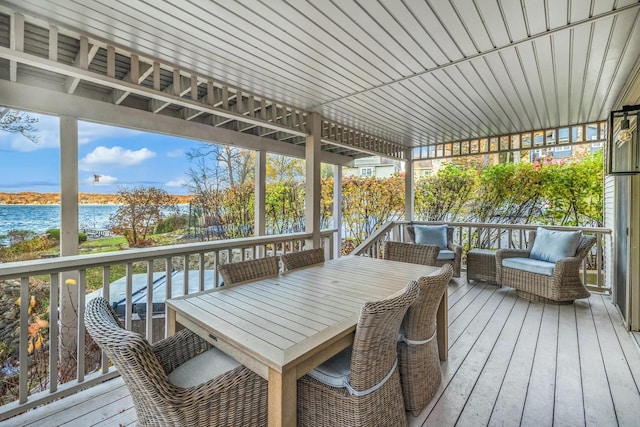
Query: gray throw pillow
x=435 y=235
x=551 y=245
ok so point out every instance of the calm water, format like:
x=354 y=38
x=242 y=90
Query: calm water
x=40 y=218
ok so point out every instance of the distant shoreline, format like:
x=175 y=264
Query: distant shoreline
x=36 y=199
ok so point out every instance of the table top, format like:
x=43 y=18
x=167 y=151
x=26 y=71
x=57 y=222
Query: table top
x=278 y=320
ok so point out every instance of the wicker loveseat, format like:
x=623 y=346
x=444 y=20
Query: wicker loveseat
x=555 y=282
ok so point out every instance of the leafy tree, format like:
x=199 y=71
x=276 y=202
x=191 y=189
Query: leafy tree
x=368 y=203
x=575 y=191
x=13 y=121
x=510 y=193
x=229 y=166
x=139 y=210
x=443 y=196
x=284 y=206
x=284 y=168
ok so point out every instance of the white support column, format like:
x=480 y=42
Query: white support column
x=68 y=238
x=409 y=185
x=313 y=184
x=337 y=210
x=260 y=192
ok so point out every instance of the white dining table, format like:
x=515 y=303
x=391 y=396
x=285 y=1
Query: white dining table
x=283 y=326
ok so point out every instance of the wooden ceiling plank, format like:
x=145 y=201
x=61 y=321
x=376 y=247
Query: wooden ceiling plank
x=53 y=42
x=16 y=41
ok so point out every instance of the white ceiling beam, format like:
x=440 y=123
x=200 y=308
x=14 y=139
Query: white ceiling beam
x=46 y=101
x=82 y=60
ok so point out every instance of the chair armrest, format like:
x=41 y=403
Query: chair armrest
x=456 y=249
x=566 y=266
x=510 y=253
x=177 y=349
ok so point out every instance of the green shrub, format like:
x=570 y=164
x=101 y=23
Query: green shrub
x=171 y=223
x=53 y=233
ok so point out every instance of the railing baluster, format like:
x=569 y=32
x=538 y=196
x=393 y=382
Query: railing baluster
x=599 y=259
x=54 y=293
x=216 y=277
x=23 y=376
x=106 y=292
x=128 y=305
x=149 y=311
x=168 y=273
x=81 y=341
x=201 y=265
x=185 y=275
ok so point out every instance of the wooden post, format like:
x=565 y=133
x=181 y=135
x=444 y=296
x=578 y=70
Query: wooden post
x=409 y=185
x=337 y=209
x=313 y=184
x=68 y=240
x=259 y=228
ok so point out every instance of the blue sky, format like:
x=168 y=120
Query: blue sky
x=122 y=157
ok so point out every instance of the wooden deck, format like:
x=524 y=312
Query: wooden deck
x=510 y=363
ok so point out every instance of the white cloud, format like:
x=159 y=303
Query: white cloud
x=48 y=133
x=103 y=180
x=91 y=132
x=175 y=153
x=180 y=182
x=114 y=156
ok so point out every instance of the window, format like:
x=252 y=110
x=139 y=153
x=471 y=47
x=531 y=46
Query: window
x=366 y=172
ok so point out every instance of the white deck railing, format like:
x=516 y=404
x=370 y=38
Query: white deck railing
x=495 y=236
x=198 y=263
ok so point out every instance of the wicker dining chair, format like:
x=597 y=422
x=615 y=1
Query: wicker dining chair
x=180 y=380
x=360 y=386
x=236 y=272
x=410 y=252
x=300 y=259
x=418 y=357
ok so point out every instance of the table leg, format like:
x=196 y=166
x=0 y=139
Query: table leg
x=171 y=321
x=443 y=327
x=282 y=398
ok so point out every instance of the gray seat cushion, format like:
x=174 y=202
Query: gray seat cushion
x=202 y=368
x=530 y=265
x=335 y=371
x=446 y=254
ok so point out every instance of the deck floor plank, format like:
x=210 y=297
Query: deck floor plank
x=538 y=406
x=598 y=406
x=479 y=405
x=624 y=391
x=451 y=403
x=508 y=408
x=569 y=406
x=511 y=363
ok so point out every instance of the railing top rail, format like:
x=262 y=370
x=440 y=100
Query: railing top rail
x=12 y=270
x=601 y=230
